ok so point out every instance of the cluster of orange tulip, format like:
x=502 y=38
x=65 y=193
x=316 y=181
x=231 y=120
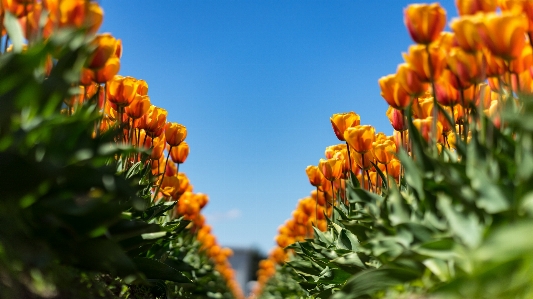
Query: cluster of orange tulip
x=125 y=104
x=485 y=60
x=447 y=78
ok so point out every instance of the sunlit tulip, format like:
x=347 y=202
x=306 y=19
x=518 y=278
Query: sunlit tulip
x=175 y=133
x=158 y=148
x=467 y=67
x=417 y=57
x=343 y=156
x=466 y=32
x=447 y=95
x=341 y=121
x=470 y=7
x=105 y=45
x=360 y=138
x=410 y=80
x=391 y=90
x=108 y=71
x=394 y=168
x=332 y=149
x=446 y=41
x=138 y=107
x=423 y=107
x=383 y=151
x=424 y=22
x=331 y=168
x=495 y=66
x=180 y=153
x=153 y=122
x=314 y=175
x=504 y=34
x=397 y=119
x=142 y=87
x=522 y=82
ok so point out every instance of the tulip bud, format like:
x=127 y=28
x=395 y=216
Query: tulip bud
x=391 y=90
x=360 y=138
x=397 y=119
x=341 y=121
x=424 y=22
x=331 y=168
x=314 y=175
x=466 y=32
x=409 y=80
x=175 y=133
x=180 y=153
x=383 y=151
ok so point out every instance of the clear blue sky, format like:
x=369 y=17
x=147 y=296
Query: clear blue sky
x=255 y=82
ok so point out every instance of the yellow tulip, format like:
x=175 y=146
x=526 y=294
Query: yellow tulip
x=314 y=175
x=180 y=153
x=417 y=58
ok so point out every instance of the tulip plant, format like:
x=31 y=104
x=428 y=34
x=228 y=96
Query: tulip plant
x=442 y=208
x=92 y=202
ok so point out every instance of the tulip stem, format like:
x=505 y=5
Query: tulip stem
x=333 y=202
x=435 y=103
x=164 y=171
x=316 y=207
x=363 y=169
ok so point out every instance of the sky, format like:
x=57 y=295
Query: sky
x=255 y=83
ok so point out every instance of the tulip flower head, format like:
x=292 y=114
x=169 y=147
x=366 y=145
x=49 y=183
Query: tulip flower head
x=341 y=121
x=360 y=138
x=175 y=133
x=314 y=175
x=424 y=22
x=393 y=92
x=331 y=168
x=180 y=153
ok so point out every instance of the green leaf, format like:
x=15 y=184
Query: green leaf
x=154 y=269
x=368 y=282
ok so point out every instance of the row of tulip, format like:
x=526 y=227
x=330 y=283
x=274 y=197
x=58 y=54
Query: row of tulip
x=448 y=79
x=124 y=104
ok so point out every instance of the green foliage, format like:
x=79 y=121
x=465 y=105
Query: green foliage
x=457 y=227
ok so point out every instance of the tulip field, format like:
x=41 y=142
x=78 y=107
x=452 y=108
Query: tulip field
x=93 y=203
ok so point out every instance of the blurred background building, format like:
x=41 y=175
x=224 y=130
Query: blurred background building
x=245 y=262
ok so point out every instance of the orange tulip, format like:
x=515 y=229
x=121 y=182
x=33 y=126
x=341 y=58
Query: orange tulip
x=105 y=45
x=417 y=57
x=504 y=34
x=393 y=92
x=180 y=153
x=495 y=66
x=424 y=22
x=108 y=71
x=175 y=133
x=121 y=90
x=333 y=149
x=75 y=13
x=153 y=122
x=158 y=147
x=423 y=107
x=383 y=151
x=138 y=107
x=523 y=62
x=360 y=138
x=142 y=87
x=410 y=80
x=446 y=41
x=331 y=168
x=341 y=121
x=470 y=7
x=397 y=119
x=314 y=175
x=467 y=67
x=466 y=32
x=447 y=94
